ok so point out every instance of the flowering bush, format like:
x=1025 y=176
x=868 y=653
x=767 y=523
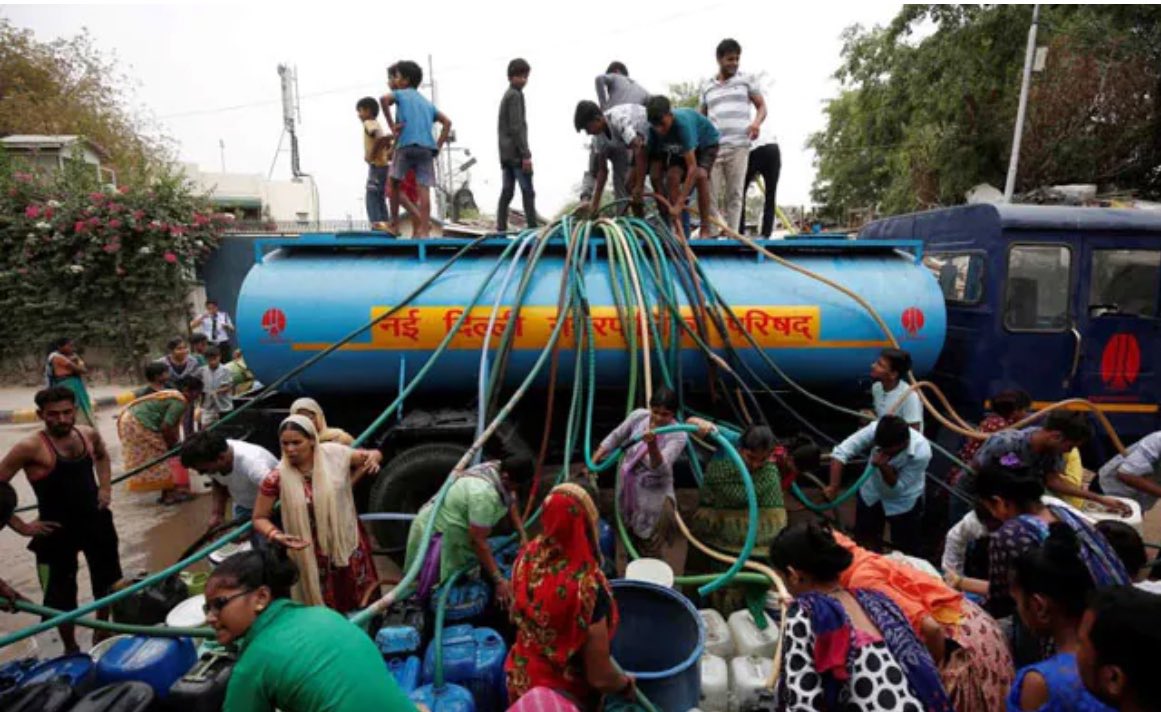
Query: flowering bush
x=109 y=267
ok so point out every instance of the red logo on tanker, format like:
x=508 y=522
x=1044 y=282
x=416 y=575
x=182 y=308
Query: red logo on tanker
x=1121 y=362
x=274 y=322
x=912 y=320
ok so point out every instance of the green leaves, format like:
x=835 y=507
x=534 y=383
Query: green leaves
x=927 y=105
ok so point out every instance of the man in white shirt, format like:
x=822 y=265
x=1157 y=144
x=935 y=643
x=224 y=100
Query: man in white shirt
x=236 y=469
x=625 y=128
x=726 y=100
x=217 y=327
x=888 y=372
x=1137 y=473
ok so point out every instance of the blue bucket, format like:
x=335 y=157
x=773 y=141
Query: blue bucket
x=659 y=641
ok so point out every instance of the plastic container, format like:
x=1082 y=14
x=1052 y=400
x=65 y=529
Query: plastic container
x=715 y=684
x=1097 y=513
x=449 y=698
x=152 y=604
x=719 y=640
x=410 y=613
x=660 y=641
x=474 y=658
x=651 y=571
x=397 y=640
x=468 y=599
x=78 y=670
x=234 y=547
x=749 y=639
x=158 y=662
x=98 y=651
x=203 y=688
x=12 y=675
x=122 y=697
x=195 y=581
x=406 y=672
x=748 y=676
x=504 y=553
x=543 y=699
x=188 y=614
x=50 y=696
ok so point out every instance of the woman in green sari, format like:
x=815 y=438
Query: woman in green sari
x=64 y=367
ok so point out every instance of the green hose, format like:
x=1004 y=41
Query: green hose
x=440 y=612
x=113 y=627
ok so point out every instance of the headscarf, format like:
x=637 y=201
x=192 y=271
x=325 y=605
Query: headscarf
x=336 y=520
x=326 y=434
x=555 y=581
x=1102 y=562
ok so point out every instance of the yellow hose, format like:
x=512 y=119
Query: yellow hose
x=962 y=427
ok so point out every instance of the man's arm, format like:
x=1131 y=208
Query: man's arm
x=444 y=121
x=218 y=509
x=385 y=103
x=759 y=103
x=518 y=126
x=855 y=445
x=15 y=460
x=599 y=186
x=603 y=91
x=1056 y=482
x=197 y=322
x=690 y=177
x=103 y=464
x=1139 y=483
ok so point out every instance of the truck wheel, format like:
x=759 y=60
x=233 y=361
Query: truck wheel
x=405 y=484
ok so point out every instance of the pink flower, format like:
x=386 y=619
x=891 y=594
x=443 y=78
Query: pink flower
x=96 y=197
x=48 y=213
x=176 y=231
x=114 y=224
x=138 y=214
x=22 y=177
x=111 y=247
x=115 y=207
x=81 y=226
x=32 y=212
x=170 y=258
x=94 y=221
x=123 y=190
x=200 y=219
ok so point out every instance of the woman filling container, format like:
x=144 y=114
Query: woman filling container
x=323 y=535
x=563 y=608
x=151 y=426
x=645 y=492
x=849 y=649
x=292 y=657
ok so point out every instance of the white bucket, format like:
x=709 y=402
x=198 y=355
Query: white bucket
x=748 y=639
x=715 y=684
x=1097 y=513
x=718 y=639
x=188 y=614
x=650 y=571
x=748 y=676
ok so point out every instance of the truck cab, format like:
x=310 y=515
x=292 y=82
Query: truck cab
x=1059 y=301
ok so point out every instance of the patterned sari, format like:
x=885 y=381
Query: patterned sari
x=556 y=582
x=140 y=445
x=74 y=383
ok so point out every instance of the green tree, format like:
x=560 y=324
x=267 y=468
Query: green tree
x=918 y=122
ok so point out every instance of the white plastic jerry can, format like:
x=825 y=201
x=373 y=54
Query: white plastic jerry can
x=715 y=684
x=748 y=676
x=749 y=639
x=718 y=639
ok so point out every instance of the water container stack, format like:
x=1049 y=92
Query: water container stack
x=737 y=661
x=473 y=658
x=399 y=639
x=467 y=600
x=122 y=697
x=203 y=687
x=157 y=662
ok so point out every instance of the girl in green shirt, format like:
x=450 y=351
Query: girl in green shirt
x=293 y=658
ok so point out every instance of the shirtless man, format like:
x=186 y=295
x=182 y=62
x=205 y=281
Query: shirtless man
x=69 y=469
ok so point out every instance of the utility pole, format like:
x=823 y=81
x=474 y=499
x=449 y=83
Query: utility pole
x=1029 y=58
x=222 y=149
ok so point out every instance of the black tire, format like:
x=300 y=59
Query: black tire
x=405 y=484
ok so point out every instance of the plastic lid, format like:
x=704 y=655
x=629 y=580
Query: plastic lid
x=653 y=571
x=188 y=613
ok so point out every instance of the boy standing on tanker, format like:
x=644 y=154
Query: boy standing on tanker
x=414 y=147
x=683 y=146
x=515 y=156
x=376 y=152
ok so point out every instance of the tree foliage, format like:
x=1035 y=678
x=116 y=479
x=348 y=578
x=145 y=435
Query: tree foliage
x=69 y=86
x=920 y=121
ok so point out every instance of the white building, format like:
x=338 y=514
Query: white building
x=49 y=153
x=251 y=197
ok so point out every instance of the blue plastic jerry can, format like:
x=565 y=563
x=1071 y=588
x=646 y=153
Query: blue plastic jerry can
x=467 y=600
x=449 y=698
x=474 y=658
x=406 y=672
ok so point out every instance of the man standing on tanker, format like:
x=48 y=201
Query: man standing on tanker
x=69 y=469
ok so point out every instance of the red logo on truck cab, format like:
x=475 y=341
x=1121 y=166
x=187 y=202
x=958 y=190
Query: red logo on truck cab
x=1121 y=362
x=274 y=322
x=912 y=320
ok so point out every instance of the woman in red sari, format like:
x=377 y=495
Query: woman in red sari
x=563 y=608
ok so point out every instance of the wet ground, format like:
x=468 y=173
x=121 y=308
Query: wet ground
x=152 y=536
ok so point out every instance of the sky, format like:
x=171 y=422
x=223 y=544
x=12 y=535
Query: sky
x=208 y=74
